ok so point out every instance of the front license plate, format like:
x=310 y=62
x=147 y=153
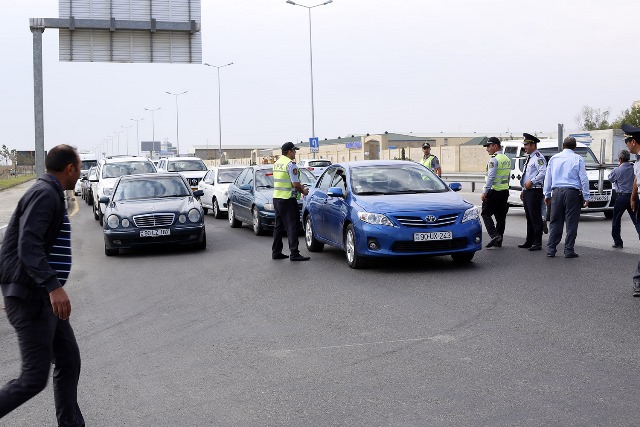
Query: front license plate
x=599 y=197
x=436 y=235
x=154 y=233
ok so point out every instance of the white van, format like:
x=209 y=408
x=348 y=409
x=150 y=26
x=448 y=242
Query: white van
x=600 y=188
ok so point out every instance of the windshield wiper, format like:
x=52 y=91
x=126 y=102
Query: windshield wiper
x=369 y=193
x=264 y=186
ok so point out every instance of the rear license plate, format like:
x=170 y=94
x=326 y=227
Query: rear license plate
x=599 y=197
x=436 y=235
x=154 y=233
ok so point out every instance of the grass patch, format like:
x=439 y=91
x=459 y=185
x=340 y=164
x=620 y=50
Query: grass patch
x=14 y=180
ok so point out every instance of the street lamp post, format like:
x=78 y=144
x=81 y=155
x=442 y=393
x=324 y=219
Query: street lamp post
x=153 y=127
x=177 y=129
x=313 y=123
x=118 y=132
x=137 y=137
x=126 y=129
x=219 y=114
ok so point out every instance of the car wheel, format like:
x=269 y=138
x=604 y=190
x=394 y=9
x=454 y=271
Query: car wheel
x=353 y=259
x=312 y=244
x=202 y=245
x=257 y=222
x=463 y=257
x=100 y=215
x=110 y=252
x=216 y=209
x=95 y=213
x=233 y=222
x=205 y=210
x=608 y=214
x=90 y=199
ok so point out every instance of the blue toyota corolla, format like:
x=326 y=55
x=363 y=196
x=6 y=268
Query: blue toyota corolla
x=382 y=208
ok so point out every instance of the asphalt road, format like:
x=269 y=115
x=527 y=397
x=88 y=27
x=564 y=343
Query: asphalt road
x=228 y=336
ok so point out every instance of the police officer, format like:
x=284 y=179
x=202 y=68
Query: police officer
x=622 y=179
x=531 y=182
x=495 y=193
x=567 y=177
x=430 y=161
x=632 y=139
x=287 y=190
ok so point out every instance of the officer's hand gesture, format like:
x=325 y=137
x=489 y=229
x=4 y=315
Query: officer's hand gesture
x=484 y=197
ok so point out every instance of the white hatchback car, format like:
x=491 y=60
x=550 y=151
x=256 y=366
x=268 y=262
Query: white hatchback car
x=215 y=185
x=315 y=166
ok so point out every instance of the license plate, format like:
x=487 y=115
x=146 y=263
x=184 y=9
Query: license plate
x=154 y=233
x=599 y=197
x=436 y=235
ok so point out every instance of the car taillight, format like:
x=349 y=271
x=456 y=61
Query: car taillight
x=309 y=169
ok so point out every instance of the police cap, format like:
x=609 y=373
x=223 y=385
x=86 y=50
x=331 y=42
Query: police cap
x=288 y=146
x=530 y=138
x=426 y=145
x=492 y=140
x=631 y=132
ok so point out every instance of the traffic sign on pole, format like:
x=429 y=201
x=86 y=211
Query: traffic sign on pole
x=314 y=145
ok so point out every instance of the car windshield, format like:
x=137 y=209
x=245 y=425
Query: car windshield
x=264 y=178
x=584 y=152
x=87 y=164
x=319 y=163
x=392 y=179
x=226 y=176
x=135 y=189
x=186 y=165
x=115 y=170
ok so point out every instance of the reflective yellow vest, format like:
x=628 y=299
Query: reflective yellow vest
x=283 y=188
x=501 y=181
x=427 y=162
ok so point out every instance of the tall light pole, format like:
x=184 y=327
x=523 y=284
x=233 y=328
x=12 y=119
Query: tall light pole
x=118 y=132
x=137 y=137
x=313 y=122
x=126 y=129
x=219 y=114
x=153 y=127
x=177 y=128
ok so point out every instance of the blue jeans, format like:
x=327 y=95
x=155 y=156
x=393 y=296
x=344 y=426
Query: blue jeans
x=622 y=204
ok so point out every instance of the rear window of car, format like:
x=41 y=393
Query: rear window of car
x=226 y=176
x=115 y=170
x=319 y=163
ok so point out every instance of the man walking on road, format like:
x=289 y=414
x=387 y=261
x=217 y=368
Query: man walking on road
x=632 y=139
x=287 y=190
x=622 y=179
x=567 y=178
x=495 y=193
x=531 y=182
x=35 y=261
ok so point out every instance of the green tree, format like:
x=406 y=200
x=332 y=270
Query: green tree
x=630 y=116
x=593 y=118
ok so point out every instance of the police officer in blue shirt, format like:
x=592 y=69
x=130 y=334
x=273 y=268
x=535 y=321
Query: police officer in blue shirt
x=632 y=140
x=531 y=182
x=622 y=179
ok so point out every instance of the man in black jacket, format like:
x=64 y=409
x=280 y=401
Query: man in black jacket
x=35 y=261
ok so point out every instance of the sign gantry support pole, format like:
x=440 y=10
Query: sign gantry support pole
x=38 y=96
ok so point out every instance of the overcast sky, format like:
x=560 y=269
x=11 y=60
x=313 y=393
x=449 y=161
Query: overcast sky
x=421 y=66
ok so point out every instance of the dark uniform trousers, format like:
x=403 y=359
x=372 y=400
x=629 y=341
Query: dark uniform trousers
x=43 y=339
x=495 y=205
x=532 y=200
x=287 y=219
x=622 y=204
x=566 y=204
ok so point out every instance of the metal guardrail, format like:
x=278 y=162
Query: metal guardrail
x=473 y=178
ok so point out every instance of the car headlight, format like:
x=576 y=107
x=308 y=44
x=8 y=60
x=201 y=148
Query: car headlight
x=269 y=207
x=194 y=215
x=113 y=221
x=470 y=214
x=375 y=219
x=182 y=218
x=125 y=222
x=106 y=191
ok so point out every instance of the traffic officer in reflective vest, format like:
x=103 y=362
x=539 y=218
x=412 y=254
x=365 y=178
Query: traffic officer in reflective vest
x=287 y=190
x=531 y=182
x=429 y=160
x=495 y=193
x=632 y=139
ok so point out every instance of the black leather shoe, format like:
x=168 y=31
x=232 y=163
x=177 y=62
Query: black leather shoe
x=535 y=248
x=299 y=258
x=493 y=241
x=279 y=256
x=525 y=246
x=572 y=255
x=617 y=246
x=551 y=254
x=545 y=228
x=636 y=290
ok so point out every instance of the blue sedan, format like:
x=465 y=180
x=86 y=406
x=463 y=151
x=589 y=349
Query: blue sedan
x=378 y=208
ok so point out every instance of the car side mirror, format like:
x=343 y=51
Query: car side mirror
x=245 y=187
x=335 y=192
x=198 y=193
x=104 y=199
x=455 y=186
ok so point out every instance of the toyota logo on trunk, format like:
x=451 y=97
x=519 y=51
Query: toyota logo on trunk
x=430 y=218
